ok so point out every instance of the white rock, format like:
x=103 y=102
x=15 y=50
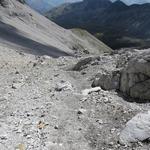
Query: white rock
x=88 y=91
x=64 y=86
x=137 y=129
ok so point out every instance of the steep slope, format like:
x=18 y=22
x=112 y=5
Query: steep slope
x=22 y=27
x=90 y=41
x=116 y=24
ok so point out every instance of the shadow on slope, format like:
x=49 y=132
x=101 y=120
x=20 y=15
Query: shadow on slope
x=10 y=34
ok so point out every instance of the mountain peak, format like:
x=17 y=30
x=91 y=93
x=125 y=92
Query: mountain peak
x=119 y=3
x=97 y=3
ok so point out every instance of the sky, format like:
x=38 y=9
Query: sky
x=129 y=2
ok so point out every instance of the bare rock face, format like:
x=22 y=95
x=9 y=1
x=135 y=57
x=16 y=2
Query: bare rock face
x=135 y=77
x=137 y=129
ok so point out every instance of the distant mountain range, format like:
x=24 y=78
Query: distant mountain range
x=116 y=24
x=43 y=6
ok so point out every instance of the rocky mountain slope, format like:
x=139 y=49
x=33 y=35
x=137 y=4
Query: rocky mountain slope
x=47 y=103
x=19 y=25
x=116 y=24
x=90 y=102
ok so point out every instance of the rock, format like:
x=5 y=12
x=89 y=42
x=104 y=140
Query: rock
x=84 y=62
x=21 y=147
x=107 y=80
x=105 y=100
x=56 y=127
x=136 y=130
x=99 y=121
x=41 y=125
x=88 y=91
x=4 y=3
x=81 y=111
x=64 y=86
x=15 y=86
x=135 y=77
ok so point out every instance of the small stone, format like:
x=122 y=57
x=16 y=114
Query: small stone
x=34 y=64
x=81 y=111
x=17 y=72
x=64 y=86
x=3 y=99
x=88 y=91
x=84 y=99
x=56 y=75
x=17 y=85
x=28 y=115
x=105 y=100
x=56 y=127
x=99 y=121
x=111 y=144
x=20 y=147
x=28 y=136
x=112 y=130
x=41 y=125
x=43 y=115
x=3 y=138
x=83 y=72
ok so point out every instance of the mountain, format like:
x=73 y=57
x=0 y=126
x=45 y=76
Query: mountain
x=116 y=24
x=87 y=100
x=34 y=33
x=43 y=6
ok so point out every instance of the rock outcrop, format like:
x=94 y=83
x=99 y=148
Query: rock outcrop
x=135 y=77
x=107 y=80
x=131 y=75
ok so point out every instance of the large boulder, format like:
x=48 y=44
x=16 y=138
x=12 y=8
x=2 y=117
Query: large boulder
x=135 y=77
x=136 y=130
